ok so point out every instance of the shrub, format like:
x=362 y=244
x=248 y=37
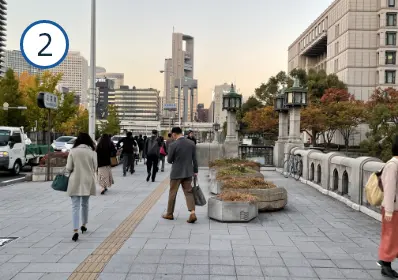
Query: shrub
x=58 y=159
x=247 y=183
x=234 y=170
x=228 y=161
x=236 y=196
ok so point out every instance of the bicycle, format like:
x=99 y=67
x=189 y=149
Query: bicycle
x=293 y=166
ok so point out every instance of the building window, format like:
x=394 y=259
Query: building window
x=390 y=77
x=391 y=3
x=336 y=65
x=391 y=19
x=337 y=48
x=391 y=38
x=337 y=30
x=391 y=57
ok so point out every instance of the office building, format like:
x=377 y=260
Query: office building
x=106 y=96
x=3 y=24
x=356 y=40
x=74 y=70
x=135 y=104
x=218 y=115
x=202 y=113
x=15 y=61
x=118 y=78
x=211 y=112
x=180 y=85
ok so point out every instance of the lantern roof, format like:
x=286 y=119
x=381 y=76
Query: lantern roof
x=232 y=92
x=296 y=87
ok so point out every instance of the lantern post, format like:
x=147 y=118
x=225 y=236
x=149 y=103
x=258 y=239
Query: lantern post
x=283 y=112
x=232 y=102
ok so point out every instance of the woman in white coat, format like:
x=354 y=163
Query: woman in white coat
x=82 y=166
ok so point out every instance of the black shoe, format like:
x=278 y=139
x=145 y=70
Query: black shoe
x=103 y=192
x=387 y=271
x=75 y=237
x=153 y=179
x=124 y=174
x=83 y=229
x=132 y=172
x=149 y=177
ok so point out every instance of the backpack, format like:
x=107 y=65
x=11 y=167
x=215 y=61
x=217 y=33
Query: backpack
x=374 y=188
x=153 y=147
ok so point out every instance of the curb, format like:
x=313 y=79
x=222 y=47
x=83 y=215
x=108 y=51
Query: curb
x=12 y=181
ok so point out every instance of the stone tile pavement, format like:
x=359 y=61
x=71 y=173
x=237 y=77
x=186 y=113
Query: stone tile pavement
x=315 y=237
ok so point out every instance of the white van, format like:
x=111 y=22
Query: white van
x=12 y=149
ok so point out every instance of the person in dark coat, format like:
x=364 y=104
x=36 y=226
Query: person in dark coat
x=191 y=136
x=128 y=149
x=105 y=150
x=151 y=153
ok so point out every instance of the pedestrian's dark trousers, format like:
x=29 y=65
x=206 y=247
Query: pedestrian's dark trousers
x=152 y=165
x=128 y=161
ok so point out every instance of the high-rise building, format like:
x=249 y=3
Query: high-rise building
x=179 y=74
x=135 y=104
x=106 y=96
x=75 y=75
x=219 y=116
x=118 y=78
x=202 y=113
x=3 y=24
x=356 y=40
x=14 y=60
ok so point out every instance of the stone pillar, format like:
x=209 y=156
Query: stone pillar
x=294 y=139
x=215 y=140
x=231 y=145
x=279 y=148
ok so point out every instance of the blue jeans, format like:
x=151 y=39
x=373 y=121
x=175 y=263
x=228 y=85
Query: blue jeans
x=76 y=201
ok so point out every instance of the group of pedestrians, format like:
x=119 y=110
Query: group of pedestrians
x=86 y=161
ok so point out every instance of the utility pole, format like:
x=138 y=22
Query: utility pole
x=91 y=108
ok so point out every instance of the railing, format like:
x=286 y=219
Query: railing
x=261 y=154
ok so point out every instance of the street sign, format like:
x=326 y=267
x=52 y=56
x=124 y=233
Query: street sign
x=44 y=44
x=170 y=107
x=47 y=100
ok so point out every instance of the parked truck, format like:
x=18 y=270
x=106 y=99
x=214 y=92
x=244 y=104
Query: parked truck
x=15 y=153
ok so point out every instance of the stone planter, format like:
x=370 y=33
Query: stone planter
x=212 y=173
x=39 y=174
x=215 y=186
x=268 y=199
x=230 y=211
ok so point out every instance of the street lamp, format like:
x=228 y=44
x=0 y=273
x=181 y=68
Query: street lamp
x=296 y=96
x=179 y=94
x=279 y=103
x=232 y=101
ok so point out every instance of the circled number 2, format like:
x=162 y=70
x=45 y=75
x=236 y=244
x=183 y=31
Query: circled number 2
x=40 y=53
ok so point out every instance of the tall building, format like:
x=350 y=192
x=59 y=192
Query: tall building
x=210 y=117
x=183 y=90
x=218 y=115
x=135 y=104
x=75 y=75
x=355 y=39
x=118 y=78
x=202 y=113
x=3 y=24
x=106 y=96
x=14 y=60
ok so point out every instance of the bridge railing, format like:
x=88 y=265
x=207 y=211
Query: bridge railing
x=261 y=154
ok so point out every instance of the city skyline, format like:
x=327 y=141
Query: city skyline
x=234 y=42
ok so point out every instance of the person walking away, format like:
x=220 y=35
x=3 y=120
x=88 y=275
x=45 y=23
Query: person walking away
x=141 y=145
x=136 y=150
x=105 y=150
x=169 y=140
x=191 y=136
x=152 y=152
x=143 y=155
x=127 y=152
x=82 y=166
x=182 y=156
x=162 y=153
x=388 y=249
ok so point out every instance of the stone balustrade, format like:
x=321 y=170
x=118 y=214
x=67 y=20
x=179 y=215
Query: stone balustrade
x=339 y=176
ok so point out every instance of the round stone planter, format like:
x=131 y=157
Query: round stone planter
x=216 y=186
x=268 y=199
x=230 y=211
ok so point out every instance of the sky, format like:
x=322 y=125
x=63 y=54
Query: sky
x=234 y=41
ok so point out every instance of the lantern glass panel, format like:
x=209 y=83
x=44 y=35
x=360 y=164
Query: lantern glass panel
x=304 y=98
x=279 y=103
x=290 y=98
x=232 y=100
x=226 y=102
x=297 y=97
x=238 y=103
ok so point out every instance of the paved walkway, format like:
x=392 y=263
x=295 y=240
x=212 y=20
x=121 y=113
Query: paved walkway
x=315 y=237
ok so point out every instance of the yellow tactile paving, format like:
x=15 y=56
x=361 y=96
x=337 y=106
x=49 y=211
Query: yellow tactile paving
x=93 y=265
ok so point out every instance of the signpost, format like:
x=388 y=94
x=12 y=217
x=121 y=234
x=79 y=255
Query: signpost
x=48 y=101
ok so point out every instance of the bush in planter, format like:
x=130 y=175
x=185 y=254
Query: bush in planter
x=247 y=183
x=236 y=196
x=58 y=159
x=228 y=161
x=234 y=170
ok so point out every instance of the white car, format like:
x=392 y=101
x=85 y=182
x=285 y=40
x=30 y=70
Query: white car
x=115 y=139
x=69 y=145
x=59 y=143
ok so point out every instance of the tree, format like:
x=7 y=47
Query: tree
x=112 y=124
x=9 y=92
x=318 y=82
x=267 y=91
x=313 y=128
x=264 y=120
x=76 y=124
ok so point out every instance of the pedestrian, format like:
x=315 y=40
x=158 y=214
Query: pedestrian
x=136 y=150
x=191 y=136
x=141 y=145
x=152 y=152
x=169 y=140
x=143 y=155
x=388 y=249
x=105 y=150
x=127 y=152
x=182 y=156
x=162 y=153
x=82 y=166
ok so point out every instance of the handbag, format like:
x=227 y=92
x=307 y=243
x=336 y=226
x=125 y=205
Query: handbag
x=60 y=182
x=114 y=161
x=200 y=199
x=162 y=151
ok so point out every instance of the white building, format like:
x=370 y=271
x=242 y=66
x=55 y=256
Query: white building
x=118 y=78
x=15 y=61
x=75 y=75
x=218 y=115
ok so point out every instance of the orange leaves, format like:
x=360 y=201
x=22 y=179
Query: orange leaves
x=262 y=120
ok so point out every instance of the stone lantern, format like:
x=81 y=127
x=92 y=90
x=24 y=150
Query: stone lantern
x=280 y=107
x=216 y=127
x=232 y=101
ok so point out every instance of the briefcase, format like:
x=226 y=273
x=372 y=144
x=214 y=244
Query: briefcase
x=200 y=199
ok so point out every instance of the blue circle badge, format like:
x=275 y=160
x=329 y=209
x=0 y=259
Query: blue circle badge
x=44 y=44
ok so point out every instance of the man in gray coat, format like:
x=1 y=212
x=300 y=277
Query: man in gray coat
x=182 y=156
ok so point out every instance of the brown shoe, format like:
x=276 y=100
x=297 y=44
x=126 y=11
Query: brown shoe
x=168 y=217
x=192 y=219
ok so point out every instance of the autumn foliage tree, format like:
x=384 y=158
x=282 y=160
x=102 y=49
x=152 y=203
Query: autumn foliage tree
x=262 y=120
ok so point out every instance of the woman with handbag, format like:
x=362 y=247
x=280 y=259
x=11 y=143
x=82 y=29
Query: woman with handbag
x=105 y=151
x=82 y=165
x=162 y=153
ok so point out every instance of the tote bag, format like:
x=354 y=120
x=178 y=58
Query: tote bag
x=200 y=199
x=60 y=182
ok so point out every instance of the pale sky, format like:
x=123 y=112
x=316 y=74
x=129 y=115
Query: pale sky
x=234 y=41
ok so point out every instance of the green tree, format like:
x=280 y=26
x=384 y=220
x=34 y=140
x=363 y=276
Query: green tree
x=10 y=93
x=112 y=123
x=267 y=91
